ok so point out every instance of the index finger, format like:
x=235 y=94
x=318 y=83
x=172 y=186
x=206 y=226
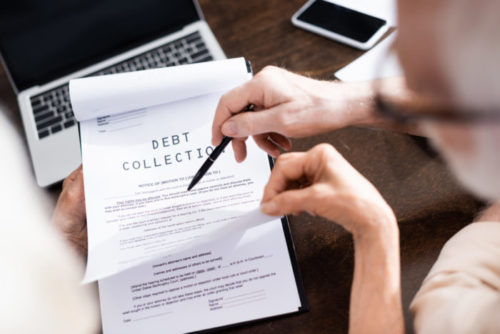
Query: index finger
x=233 y=102
x=288 y=167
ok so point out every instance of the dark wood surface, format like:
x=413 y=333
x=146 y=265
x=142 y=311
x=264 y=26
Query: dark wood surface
x=429 y=204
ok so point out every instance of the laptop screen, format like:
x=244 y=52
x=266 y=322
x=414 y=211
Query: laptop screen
x=41 y=40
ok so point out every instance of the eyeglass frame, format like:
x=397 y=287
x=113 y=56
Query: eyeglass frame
x=389 y=110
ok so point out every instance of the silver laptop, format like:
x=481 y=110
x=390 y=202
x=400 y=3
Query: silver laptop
x=47 y=44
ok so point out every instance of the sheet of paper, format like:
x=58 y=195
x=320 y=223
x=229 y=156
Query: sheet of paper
x=169 y=260
x=144 y=210
x=374 y=64
x=385 y=9
x=246 y=277
x=139 y=165
x=111 y=94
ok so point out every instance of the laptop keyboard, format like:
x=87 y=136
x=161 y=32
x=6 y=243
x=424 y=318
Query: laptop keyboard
x=52 y=109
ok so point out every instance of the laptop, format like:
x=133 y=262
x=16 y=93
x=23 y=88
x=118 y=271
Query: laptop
x=46 y=43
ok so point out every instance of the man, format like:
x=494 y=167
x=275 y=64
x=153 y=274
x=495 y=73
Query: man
x=449 y=51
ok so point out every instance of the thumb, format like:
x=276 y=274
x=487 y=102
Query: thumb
x=291 y=201
x=251 y=123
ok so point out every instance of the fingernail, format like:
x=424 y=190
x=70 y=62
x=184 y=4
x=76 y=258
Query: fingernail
x=269 y=208
x=229 y=129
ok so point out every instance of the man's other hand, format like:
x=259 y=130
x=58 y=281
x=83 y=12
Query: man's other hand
x=323 y=183
x=69 y=215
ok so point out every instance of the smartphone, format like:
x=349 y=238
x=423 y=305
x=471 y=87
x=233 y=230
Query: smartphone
x=341 y=24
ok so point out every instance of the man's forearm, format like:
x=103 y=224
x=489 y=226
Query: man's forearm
x=376 y=291
x=361 y=104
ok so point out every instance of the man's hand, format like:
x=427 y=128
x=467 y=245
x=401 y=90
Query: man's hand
x=69 y=215
x=287 y=105
x=323 y=183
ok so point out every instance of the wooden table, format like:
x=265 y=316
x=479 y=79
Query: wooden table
x=430 y=206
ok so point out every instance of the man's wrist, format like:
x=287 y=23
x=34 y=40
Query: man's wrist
x=380 y=228
x=355 y=105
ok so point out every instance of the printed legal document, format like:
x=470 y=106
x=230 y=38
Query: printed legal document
x=161 y=253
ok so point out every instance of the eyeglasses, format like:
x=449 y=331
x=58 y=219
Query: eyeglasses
x=418 y=109
x=408 y=113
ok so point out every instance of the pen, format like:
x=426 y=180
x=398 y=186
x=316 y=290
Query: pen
x=213 y=156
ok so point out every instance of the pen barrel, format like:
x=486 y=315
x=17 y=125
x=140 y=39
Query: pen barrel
x=220 y=148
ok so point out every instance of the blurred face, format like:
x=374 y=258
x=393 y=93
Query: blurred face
x=443 y=46
x=418 y=46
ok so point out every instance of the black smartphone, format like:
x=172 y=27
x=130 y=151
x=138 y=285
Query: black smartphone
x=340 y=23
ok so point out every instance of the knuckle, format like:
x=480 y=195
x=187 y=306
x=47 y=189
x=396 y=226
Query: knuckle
x=316 y=192
x=65 y=183
x=323 y=147
x=267 y=72
x=223 y=99
x=73 y=194
x=225 y=102
x=282 y=119
x=245 y=125
x=73 y=191
x=260 y=76
x=283 y=158
x=320 y=194
x=325 y=152
x=268 y=69
x=279 y=162
x=70 y=179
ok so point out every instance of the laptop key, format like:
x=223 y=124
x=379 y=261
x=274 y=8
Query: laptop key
x=208 y=58
x=48 y=123
x=69 y=124
x=56 y=128
x=193 y=38
x=199 y=54
x=41 y=117
x=40 y=108
x=36 y=102
x=43 y=134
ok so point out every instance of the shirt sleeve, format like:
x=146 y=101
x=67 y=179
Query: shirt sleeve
x=461 y=293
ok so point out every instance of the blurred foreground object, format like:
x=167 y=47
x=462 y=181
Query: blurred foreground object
x=40 y=280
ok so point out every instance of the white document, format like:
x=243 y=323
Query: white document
x=244 y=278
x=376 y=63
x=169 y=260
x=137 y=165
x=110 y=94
